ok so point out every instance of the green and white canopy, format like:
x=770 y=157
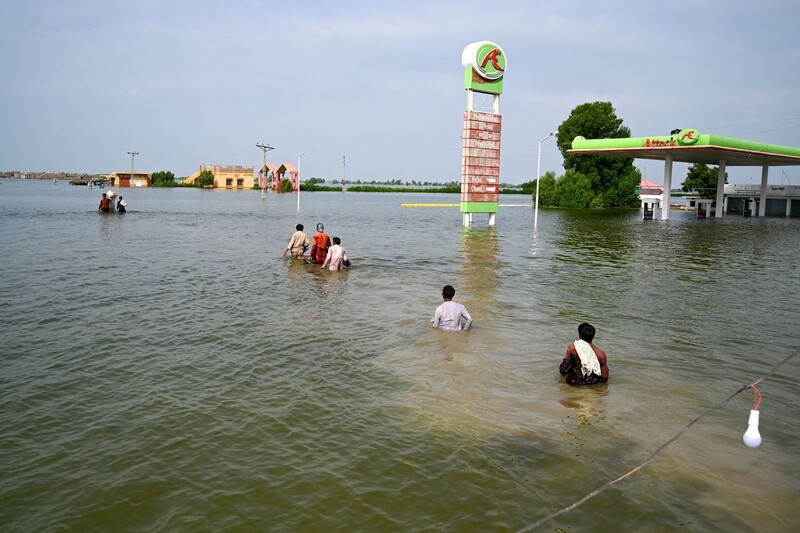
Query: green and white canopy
x=689 y=146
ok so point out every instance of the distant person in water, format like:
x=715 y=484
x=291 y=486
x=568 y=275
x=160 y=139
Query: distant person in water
x=320 y=242
x=337 y=256
x=121 y=205
x=298 y=243
x=105 y=203
x=451 y=316
x=585 y=363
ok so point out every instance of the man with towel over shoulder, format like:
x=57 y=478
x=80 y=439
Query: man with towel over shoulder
x=585 y=363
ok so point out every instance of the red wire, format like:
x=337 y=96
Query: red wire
x=756 y=397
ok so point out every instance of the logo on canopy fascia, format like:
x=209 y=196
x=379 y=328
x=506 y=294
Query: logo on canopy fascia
x=484 y=66
x=688 y=136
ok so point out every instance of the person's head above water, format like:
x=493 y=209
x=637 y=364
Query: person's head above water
x=299 y=227
x=448 y=292
x=337 y=240
x=586 y=332
x=320 y=226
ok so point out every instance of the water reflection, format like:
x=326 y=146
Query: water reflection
x=596 y=238
x=587 y=402
x=479 y=274
x=312 y=281
x=109 y=225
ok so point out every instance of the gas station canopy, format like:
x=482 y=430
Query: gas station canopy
x=689 y=146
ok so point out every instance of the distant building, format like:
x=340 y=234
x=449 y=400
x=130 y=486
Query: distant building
x=651 y=195
x=130 y=179
x=229 y=177
x=779 y=200
x=270 y=176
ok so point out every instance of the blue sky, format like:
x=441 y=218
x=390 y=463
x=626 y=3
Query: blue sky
x=186 y=83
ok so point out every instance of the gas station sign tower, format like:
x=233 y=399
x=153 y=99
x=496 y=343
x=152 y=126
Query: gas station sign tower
x=484 y=66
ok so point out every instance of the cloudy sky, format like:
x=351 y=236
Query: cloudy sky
x=188 y=82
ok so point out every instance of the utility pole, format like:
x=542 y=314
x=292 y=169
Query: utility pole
x=133 y=156
x=344 y=175
x=299 y=157
x=265 y=148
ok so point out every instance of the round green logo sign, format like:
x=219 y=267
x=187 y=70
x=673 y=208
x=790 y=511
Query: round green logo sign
x=488 y=59
x=688 y=136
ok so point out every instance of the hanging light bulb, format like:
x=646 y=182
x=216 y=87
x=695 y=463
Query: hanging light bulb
x=752 y=437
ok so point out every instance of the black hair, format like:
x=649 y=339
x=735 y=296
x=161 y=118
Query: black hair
x=448 y=292
x=337 y=240
x=299 y=227
x=586 y=332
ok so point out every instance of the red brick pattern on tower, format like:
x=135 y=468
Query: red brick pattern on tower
x=480 y=157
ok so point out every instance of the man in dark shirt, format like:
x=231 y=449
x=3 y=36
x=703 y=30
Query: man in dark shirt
x=585 y=363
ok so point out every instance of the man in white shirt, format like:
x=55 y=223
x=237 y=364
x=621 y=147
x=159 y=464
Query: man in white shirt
x=448 y=316
x=337 y=256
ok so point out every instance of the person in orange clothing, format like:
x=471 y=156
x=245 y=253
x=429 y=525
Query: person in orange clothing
x=320 y=242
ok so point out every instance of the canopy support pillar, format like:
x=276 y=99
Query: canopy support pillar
x=667 y=186
x=762 y=200
x=720 y=190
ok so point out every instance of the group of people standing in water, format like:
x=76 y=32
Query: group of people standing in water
x=107 y=203
x=322 y=252
x=583 y=364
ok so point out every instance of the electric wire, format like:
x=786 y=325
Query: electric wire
x=660 y=448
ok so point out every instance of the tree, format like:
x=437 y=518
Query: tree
x=205 y=179
x=574 y=190
x=285 y=186
x=163 y=178
x=547 y=189
x=702 y=179
x=611 y=180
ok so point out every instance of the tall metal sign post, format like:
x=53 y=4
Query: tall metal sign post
x=484 y=66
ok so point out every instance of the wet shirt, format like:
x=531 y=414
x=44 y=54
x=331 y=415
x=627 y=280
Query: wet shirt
x=321 y=240
x=336 y=257
x=571 y=367
x=298 y=240
x=448 y=317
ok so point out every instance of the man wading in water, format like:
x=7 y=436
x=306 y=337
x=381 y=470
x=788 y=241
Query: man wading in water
x=320 y=242
x=298 y=243
x=448 y=316
x=105 y=203
x=585 y=363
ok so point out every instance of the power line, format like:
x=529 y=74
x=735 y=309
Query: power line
x=751 y=123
